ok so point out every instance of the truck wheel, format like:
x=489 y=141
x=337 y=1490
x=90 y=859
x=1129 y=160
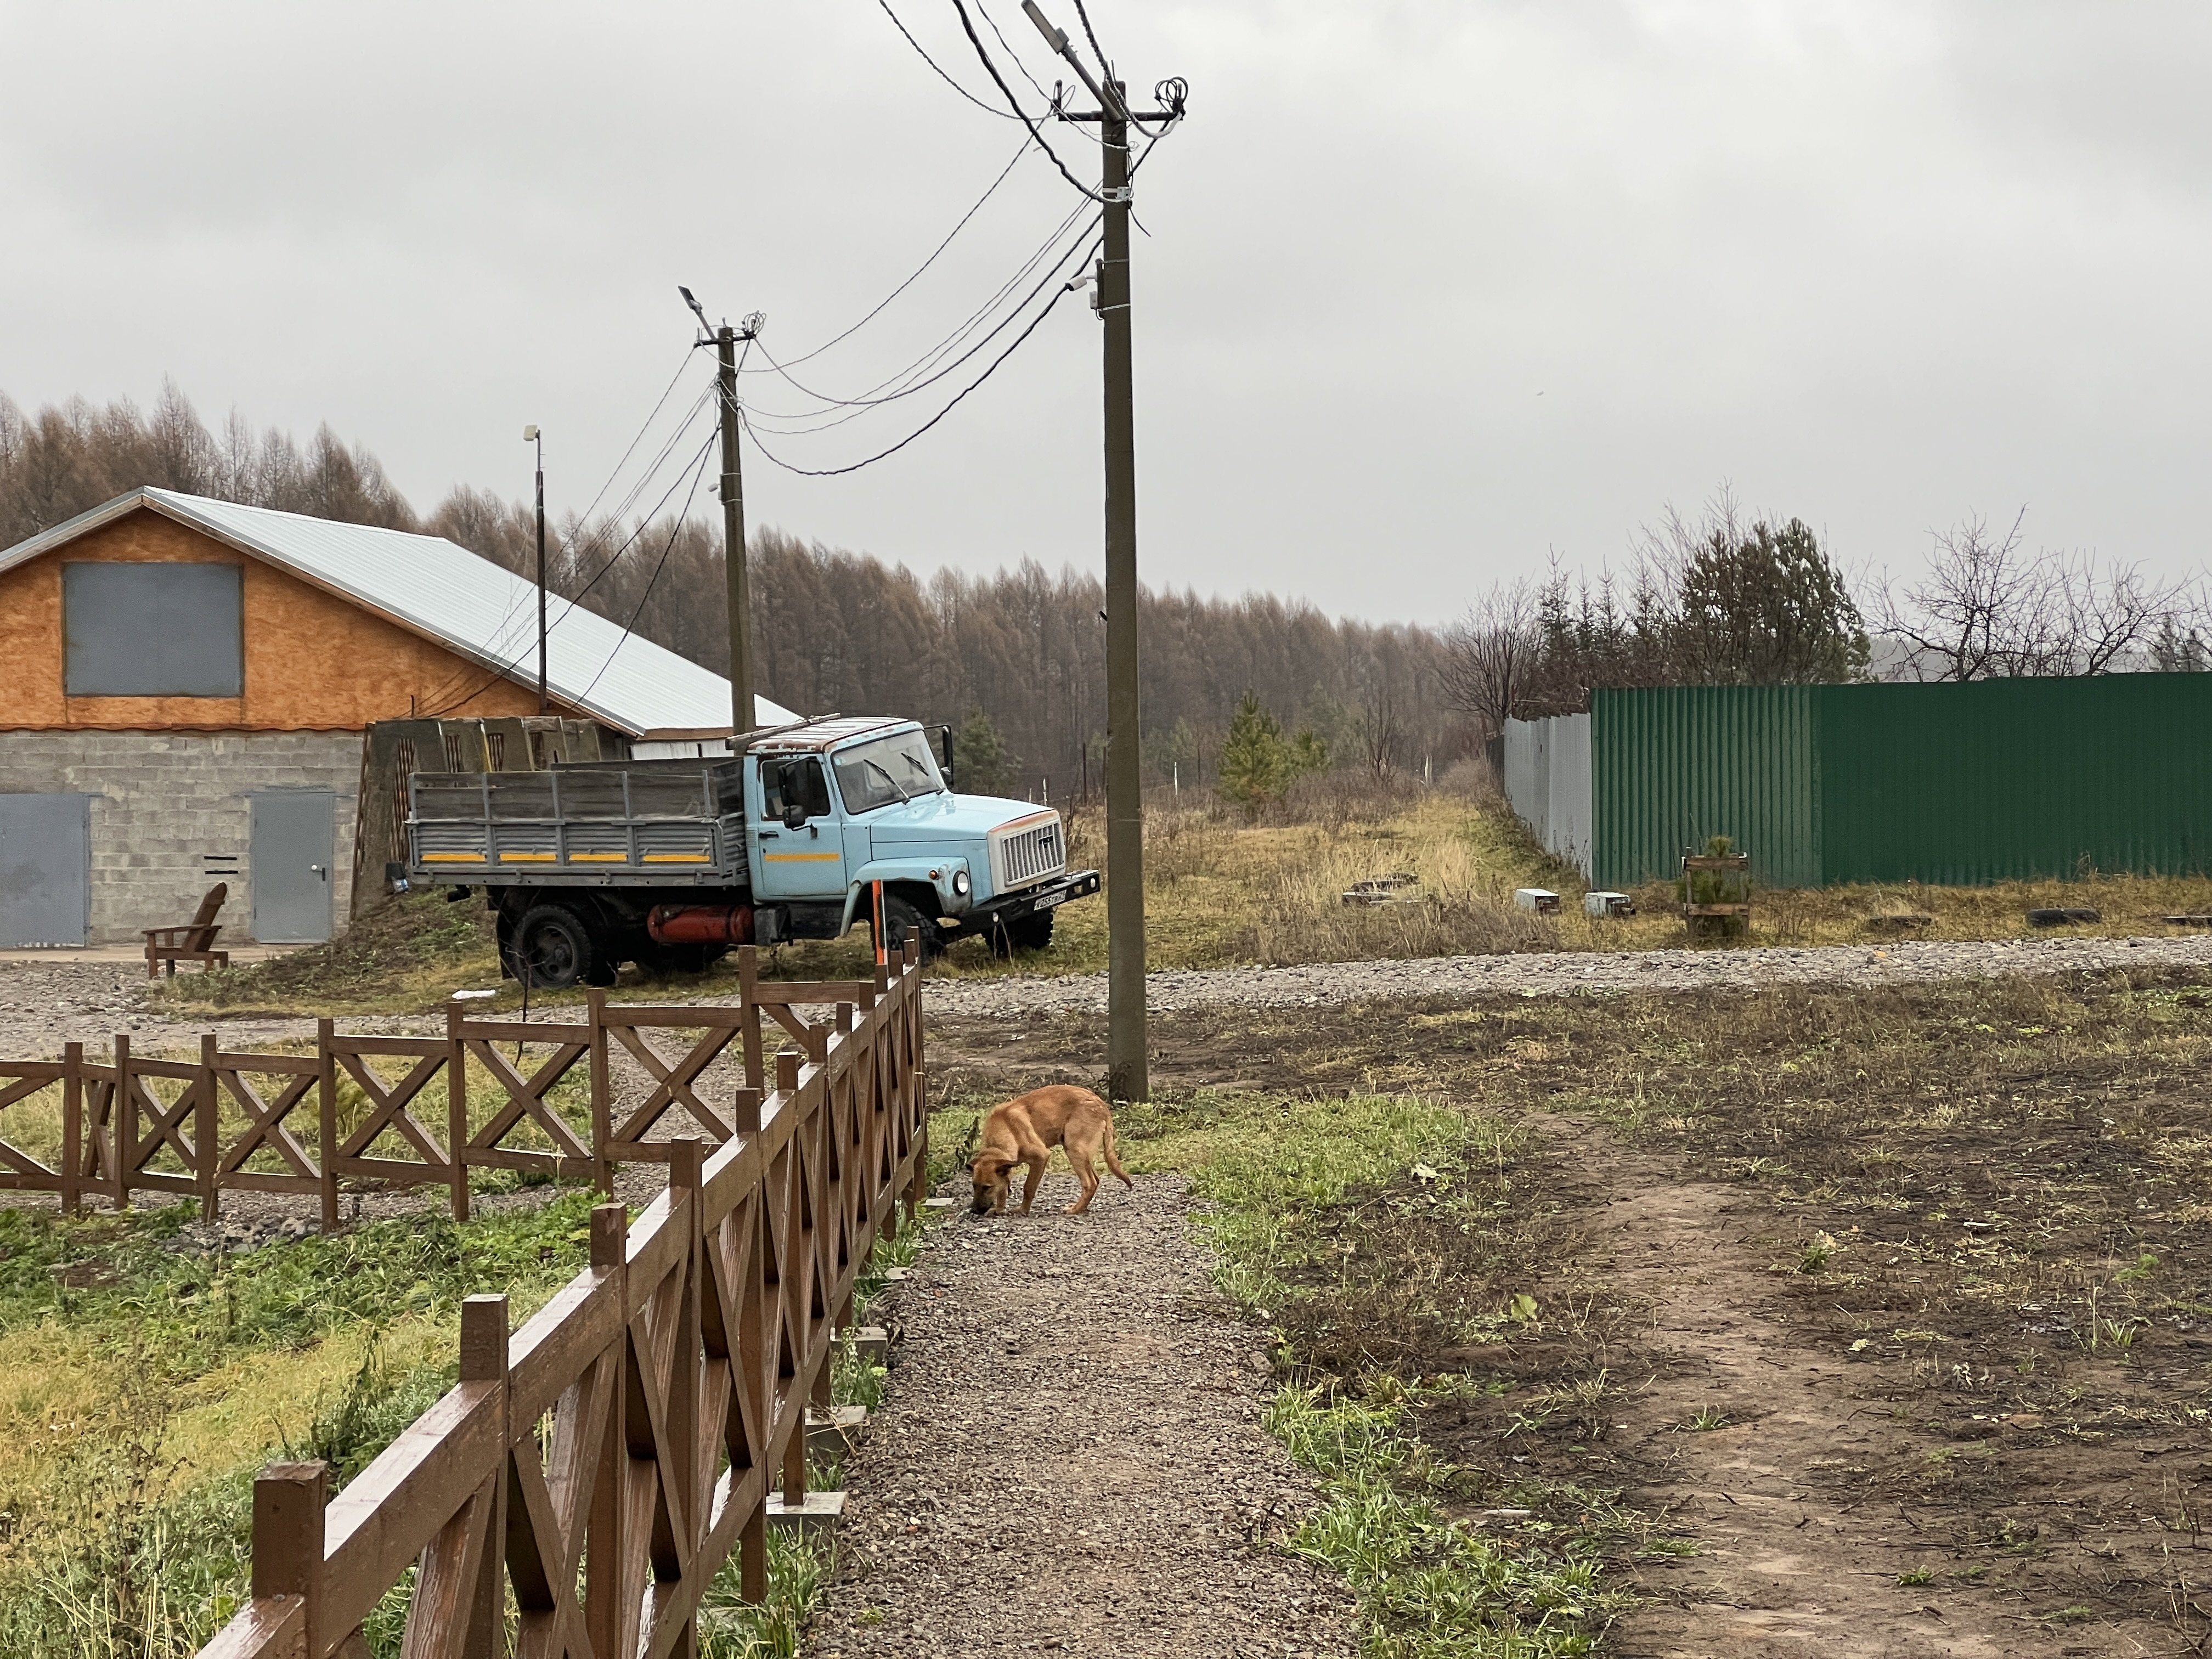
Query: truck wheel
x=1029 y=933
x=902 y=921
x=553 y=948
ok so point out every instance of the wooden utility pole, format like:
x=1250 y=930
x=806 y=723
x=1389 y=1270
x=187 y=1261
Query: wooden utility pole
x=742 y=715
x=1126 y=1041
x=530 y=433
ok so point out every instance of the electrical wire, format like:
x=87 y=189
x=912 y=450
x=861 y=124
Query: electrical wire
x=683 y=516
x=866 y=403
x=516 y=601
x=1020 y=151
x=987 y=109
x=1015 y=103
x=1006 y=47
x=506 y=668
x=1012 y=346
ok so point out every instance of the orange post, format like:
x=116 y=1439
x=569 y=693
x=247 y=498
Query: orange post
x=881 y=957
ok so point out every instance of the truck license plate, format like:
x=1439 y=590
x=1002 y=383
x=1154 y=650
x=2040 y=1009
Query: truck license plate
x=1047 y=900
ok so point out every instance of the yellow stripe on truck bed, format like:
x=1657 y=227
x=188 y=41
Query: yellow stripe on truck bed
x=453 y=858
x=526 y=857
x=677 y=858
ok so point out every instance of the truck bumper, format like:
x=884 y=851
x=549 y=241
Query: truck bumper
x=1030 y=900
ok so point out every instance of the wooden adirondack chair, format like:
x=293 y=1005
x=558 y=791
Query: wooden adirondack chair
x=193 y=942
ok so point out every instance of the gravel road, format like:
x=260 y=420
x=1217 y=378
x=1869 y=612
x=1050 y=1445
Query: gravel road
x=1072 y=1459
x=44 y=1004
x=1571 y=972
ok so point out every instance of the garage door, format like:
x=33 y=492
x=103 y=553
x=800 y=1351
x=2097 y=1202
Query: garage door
x=45 y=869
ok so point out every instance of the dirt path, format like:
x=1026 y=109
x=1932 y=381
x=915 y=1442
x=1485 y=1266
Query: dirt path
x=1786 y=1563
x=1072 y=1457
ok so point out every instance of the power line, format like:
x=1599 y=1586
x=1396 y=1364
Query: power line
x=941 y=74
x=862 y=404
x=1020 y=150
x=836 y=471
x=1015 y=103
x=1008 y=48
x=505 y=666
x=674 y=530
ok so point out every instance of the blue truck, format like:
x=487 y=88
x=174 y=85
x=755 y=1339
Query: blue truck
x=669 y=863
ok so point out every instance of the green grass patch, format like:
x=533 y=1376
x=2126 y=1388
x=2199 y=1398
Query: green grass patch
x=1281 y=1178
x=142 y=1381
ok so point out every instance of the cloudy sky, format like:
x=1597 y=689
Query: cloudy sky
x=1433 y=288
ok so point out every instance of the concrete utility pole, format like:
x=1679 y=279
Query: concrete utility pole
x=734 y=542
x=1126 y=1042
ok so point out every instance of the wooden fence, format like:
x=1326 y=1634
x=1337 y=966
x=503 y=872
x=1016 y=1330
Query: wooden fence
x=271 y=1122
x=601 y=1464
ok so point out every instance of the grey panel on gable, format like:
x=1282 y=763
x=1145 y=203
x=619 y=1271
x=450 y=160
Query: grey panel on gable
x=153 y=630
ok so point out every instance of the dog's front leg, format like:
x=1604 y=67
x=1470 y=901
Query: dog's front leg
x=1035 y=1180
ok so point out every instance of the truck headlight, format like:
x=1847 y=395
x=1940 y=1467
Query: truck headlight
x=961 y=883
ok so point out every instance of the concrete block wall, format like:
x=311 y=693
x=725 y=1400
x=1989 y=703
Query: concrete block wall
x=165 y=802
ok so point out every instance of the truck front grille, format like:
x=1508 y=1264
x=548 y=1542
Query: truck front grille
x=1025 y=856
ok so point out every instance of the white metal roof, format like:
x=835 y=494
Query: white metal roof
x=439 y=589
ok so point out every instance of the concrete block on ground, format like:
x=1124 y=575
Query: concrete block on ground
x=837 y=1430
x=871 y=1342
x=937 y=1203
x=820 y=1512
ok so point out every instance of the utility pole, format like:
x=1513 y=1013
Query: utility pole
x=1127 y=1068
x=530 y=435
x=743 y=716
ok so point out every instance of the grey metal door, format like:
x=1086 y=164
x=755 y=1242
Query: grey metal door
x=292 y=842
x=46 y=863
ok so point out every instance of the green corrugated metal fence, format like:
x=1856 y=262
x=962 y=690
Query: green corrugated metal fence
x=1950 y=784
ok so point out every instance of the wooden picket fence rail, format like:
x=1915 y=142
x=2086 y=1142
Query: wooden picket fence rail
x=232 y=1121
x=600 y=1465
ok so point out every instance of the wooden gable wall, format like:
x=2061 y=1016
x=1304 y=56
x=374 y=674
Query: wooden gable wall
x=314 y=662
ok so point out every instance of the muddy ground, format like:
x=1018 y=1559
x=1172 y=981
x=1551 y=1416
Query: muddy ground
x=1867 y=1322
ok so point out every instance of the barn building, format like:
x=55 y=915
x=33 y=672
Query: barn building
x=185 y=686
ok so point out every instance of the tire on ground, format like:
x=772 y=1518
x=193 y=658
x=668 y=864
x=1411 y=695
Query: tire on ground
x=553 y=947
x=903 y=919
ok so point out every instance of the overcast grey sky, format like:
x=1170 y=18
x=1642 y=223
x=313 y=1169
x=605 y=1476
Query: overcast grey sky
x=1431 y=287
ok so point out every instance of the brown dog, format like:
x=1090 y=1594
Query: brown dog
x=1026 y=1129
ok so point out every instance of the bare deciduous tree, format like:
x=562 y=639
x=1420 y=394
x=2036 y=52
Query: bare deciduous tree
x=1989 y=608
x=1494 y=655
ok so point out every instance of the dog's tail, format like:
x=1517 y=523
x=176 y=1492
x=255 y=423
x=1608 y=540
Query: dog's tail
x=1112 y=1162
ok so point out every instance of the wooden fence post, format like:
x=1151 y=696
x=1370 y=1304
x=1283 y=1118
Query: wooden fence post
x=483 y=1359
x=602 y=1172
x=72 y=1171
x=124 y=1113
x=794 y=1454
x=686 y=1160
x=605 y=1599
x=289 y=1500
x=457 y=1109
x=745 y=1112
x=327 y=1119
x=207 y=1140
x=750 y=1020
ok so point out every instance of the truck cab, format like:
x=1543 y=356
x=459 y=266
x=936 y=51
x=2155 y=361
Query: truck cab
x=668 y=863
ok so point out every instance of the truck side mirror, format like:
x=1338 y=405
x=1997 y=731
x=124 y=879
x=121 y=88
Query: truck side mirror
x=794 y=816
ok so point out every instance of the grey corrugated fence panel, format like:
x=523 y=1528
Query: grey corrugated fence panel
x=1520 y=747
x=2005 y=780
x=1567 y=827
x=1673 y=766
x=1547 y=784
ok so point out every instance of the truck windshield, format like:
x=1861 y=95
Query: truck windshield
x=871 y=774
